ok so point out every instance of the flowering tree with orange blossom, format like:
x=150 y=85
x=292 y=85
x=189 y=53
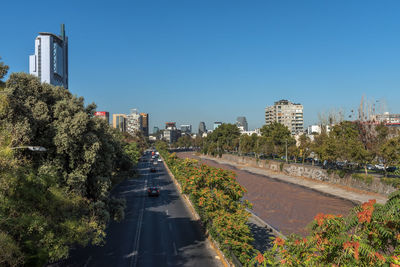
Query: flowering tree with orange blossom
x=217 y=197
x=368 y=236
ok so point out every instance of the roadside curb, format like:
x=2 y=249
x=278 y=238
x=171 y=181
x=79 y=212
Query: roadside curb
x=266 y=225
x=196 y=216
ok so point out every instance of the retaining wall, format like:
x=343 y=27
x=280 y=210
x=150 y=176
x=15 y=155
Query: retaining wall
x=312 y=172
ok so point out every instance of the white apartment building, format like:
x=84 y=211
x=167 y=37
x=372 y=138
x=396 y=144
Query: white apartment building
x=50 y=61
x=133 y=122
x=287 y=113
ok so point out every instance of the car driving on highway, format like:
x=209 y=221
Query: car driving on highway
x=153 y=191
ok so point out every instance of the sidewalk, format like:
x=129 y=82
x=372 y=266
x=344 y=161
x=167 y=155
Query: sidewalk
x=355 y=195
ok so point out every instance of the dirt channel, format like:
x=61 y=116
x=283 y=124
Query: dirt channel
x=287 y=207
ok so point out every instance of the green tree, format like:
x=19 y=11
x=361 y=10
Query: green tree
x=279 y=135
x=390 y=152
x=52 y=200
x=224 y=138
x=133 y=151
x=304 y=146
x=3 y=72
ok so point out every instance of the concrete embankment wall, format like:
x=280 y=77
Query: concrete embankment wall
x=312 y=172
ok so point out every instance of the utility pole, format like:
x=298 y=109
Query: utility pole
x=286 y=150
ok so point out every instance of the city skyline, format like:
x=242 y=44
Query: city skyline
x=322 y=55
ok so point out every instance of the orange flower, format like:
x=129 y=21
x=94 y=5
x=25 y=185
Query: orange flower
x=260 y=258
x=319 y=218
x=279 y=241
x=354 y=245
x=380 y=257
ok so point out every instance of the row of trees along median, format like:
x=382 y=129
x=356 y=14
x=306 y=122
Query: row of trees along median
x=217 y=197
x=347 y=141
x=52 y=200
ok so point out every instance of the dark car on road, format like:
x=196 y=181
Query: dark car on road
x=152 y=169
x=391 y=169
x=153 y=191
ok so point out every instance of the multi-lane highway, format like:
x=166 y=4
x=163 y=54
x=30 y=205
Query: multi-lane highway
x=156 y=231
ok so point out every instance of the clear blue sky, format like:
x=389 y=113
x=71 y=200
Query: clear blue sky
x=190 y=61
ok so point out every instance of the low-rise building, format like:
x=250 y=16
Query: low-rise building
x=105 y=115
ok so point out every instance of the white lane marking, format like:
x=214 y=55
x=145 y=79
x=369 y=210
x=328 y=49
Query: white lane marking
x=175 y=251
x=87 y=262
x=136 y=241
x=170 y=226
x=166 y=212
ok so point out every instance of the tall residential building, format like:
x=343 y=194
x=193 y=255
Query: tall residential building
x=171 y=134
x=186 y=129
x=202 y=128
x=156 y=130
x=287 y=113
x=217 y=124
x=133 y=124
x=50 y=61
x=145 y=123
x=119 y=122
x=241 y=123
x=105 y=115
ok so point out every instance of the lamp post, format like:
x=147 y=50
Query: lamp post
x=286 y=150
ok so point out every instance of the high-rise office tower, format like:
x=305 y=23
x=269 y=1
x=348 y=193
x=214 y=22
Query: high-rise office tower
x=145 y=123
x=119 y=122
x=202 y=128
x=50 y=61
x=186 y=129
x=241 y=122
x=286 y=113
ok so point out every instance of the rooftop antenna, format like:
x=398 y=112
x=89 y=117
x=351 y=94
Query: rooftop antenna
x=63 y=32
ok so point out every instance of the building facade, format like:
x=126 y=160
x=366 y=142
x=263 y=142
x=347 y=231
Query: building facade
x=287 y=113
x=217 y=124
x=171 y=134
x=119 y=122
x=186 y=129
x=105 y=115
x=241 y=123
x=202 y=128
x=144 y=117
x=386 y=118
x=133 y=123
x=50 y=61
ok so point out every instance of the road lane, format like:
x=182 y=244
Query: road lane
x=156 y=231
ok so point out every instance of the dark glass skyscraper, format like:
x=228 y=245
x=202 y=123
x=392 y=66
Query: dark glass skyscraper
x=242 y=122
x=202 y=128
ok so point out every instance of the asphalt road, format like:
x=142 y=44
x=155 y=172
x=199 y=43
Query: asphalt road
x=156 y=231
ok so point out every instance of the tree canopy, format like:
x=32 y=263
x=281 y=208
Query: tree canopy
x=53 y=199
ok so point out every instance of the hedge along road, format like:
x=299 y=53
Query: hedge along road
x=287 y=207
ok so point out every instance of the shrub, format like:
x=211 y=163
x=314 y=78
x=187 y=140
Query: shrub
x=368 y=236
x=341 y=173
x=367 y=179
x=395 y=182
x=281 y=166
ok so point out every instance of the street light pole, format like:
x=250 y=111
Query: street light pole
x=286 y=150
